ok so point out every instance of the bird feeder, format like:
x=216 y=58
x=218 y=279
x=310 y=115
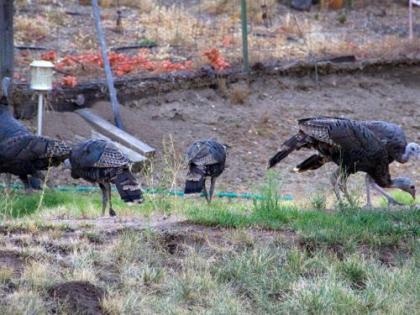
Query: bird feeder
x=41 y=81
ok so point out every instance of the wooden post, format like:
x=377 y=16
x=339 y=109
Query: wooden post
x=410 y=19
x=244 y=20
x=6 y=38
x=107 y=67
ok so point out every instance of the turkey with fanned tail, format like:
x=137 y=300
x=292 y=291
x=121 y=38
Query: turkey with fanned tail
x=206 y=158
x=99 y=161
x=354 y=146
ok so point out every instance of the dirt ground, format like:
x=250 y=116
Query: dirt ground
x=174 y=236
x=255 y=118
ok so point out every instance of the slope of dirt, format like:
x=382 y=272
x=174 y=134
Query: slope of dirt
x=254 y=119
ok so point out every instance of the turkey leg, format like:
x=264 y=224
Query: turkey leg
x=206 y=195
x=334 y=182
x=212 y=185
x=104 y=198
x=111 y=211
x=26 y=184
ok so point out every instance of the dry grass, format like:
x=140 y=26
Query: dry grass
x=31 y=30
x=239 y=93
x=257 y=10
x=87 y=41
x=177 y=26
x=143 y=5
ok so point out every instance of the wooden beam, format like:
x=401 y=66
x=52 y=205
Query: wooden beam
x=136 y=158
x=6 y=38
x=115 y=133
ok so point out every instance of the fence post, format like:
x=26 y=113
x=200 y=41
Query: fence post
x=410 y=19
x=6 y=38
x=244 y=20
x=107 y=67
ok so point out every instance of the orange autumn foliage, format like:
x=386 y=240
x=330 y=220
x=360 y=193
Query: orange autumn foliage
x=216 y=59
x=69 y=81
x=49 y=56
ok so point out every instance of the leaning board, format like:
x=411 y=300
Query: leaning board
x=115 y=133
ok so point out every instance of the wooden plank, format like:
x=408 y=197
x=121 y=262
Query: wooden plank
x=136 y=158
x=114 y=133
x=6 y=35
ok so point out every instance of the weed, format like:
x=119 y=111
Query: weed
x=270 y=198
x=318 y=201
x=354 y=271
x=6 y=274
x=238 y=94
x=342 y=18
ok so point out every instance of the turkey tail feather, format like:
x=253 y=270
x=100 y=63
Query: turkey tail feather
x=194 y=186
x=294 y=143
x=128 y=188
x=312 y=163
x=195 y=180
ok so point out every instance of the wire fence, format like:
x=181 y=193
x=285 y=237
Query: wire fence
x=149 y=37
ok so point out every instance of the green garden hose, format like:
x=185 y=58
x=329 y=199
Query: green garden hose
x=230 y=195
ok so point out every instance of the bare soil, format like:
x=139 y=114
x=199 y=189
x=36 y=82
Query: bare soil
x=12 y=260
x=255 y=117
x=81 y=297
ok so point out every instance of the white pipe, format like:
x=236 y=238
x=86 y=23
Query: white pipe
x=40 y=113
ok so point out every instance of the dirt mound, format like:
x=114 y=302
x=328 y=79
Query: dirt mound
x=13 y=261
x=81 y=297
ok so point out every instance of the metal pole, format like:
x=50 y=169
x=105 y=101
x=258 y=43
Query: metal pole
x=244 y=20
x=6 y=38
x=40 y=113
x=107 y=67
x=410 y=19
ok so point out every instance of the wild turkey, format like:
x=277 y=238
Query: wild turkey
x=22 y=153
x=349 y=144
x=391 y=135
x=394 y=139
x=206 y=158
x=100 y=161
